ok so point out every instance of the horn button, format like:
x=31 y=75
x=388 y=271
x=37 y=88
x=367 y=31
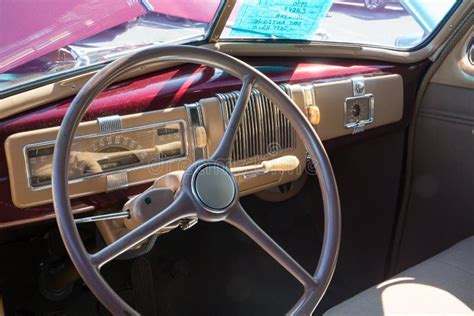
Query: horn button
x=214 y=186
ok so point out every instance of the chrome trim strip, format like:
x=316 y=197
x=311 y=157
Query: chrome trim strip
x=263 y=128
x=195 y=117
x=147 y=5
x=358 y=86
x=117 y=181
x=109 y=124
x=102 y=217
x=309 y=97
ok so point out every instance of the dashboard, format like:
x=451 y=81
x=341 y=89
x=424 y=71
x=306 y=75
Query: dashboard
x=116 y=151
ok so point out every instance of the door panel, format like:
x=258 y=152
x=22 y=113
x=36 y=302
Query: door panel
x=441 y=210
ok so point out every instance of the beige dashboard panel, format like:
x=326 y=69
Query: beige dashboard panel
x=330 y=97
x=387 y=91
x=24 y=195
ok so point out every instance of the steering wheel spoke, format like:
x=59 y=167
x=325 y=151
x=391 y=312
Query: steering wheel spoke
x=224 y=150
x=177 y=210
x=239 y=218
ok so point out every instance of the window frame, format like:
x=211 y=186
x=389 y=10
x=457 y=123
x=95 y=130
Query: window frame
x=417 y=47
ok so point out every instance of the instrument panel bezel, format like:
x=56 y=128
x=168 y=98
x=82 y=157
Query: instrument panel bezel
x=24 y=195
x=155 y=126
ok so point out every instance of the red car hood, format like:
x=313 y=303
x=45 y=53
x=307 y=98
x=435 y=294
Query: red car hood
x=31 y=29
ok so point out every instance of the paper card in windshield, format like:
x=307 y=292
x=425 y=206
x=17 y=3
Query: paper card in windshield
x=288 y=19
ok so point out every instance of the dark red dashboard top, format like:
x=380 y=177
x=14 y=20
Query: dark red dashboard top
x=169 y=88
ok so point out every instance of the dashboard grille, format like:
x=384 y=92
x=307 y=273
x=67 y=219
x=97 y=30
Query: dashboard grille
x=263 y=130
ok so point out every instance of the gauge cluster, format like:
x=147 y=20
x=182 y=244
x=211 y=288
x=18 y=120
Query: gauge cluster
x=94 y=155
x=110 y=153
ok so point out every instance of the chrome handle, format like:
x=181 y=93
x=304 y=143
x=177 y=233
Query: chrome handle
x=102 y=217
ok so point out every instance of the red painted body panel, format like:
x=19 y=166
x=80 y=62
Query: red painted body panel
x=196 y=10
x=169 y=88
x=31 y=29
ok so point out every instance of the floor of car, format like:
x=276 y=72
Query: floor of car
x=209 y=268
x=213 y=269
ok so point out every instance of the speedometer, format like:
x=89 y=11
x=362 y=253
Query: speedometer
x=94 y=155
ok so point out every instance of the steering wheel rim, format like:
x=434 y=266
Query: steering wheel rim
x=88 y=265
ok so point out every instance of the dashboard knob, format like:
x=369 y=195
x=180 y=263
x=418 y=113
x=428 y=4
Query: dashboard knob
x=282 y=164
x=314 y=115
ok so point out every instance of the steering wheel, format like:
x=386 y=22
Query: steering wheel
x=208 y=189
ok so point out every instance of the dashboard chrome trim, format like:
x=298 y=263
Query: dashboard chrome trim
x=358 y=86
x=109 y=123
x=263 y=129
x=196 y=119
x=359 y=94
x=358 y=126
x=117 y=181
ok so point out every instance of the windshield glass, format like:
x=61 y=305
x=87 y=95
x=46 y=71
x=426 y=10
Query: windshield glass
x=46 y=37
x=397 y=24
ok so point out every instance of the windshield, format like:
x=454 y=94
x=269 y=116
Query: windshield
x=396 y=24
x=45 y=37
